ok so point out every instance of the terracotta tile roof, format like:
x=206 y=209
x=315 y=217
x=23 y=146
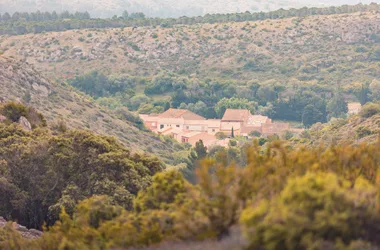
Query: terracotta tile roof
x=181 y=113
x=170 y=120
x=236 y=115
x=164 y=130
x=149 y=118
x=207 y=139
x=191 y=134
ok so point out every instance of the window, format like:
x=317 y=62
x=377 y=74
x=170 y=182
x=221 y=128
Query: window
x=213 y=130
x=177 y=126
x=162 y=126
x=187 y=127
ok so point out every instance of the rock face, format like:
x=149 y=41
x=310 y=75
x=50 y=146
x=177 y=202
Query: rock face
x=25 y=124
x=26 y=233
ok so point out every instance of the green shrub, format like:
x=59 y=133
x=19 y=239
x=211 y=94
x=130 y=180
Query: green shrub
x=13 y=111
x=311 y=209
x=370 y=109
x=363 y=132
x=220 y=136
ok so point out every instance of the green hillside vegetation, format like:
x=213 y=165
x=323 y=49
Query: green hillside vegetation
x=282 y=199
x=62 y=106
x=300 y=69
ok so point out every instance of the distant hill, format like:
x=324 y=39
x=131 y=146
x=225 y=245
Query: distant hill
x=20 y=82
x=162 y=8
x=311 y=48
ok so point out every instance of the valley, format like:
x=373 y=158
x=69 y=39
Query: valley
x=224 y=131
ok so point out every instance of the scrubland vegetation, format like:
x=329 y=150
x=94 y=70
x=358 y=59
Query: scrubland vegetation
x=89 y=174
x=282 y=199
x=89 y=192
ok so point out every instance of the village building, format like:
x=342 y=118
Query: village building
x=188 y=127
x=242 y=121
x=354 y=108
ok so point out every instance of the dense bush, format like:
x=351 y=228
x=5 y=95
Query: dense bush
x=370 y=109
x=41 y=173
x=313 y=211
x=13 y=111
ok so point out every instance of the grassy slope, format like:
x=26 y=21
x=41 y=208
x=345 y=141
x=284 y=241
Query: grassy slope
x=62 y=102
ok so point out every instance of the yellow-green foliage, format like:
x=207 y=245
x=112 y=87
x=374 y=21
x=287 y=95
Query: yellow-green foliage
x=168 y=188
x=370 y=109
x=13 y=111
x=313 y=209
x=291 y=199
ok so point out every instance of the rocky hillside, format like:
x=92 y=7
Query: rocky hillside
x=20 y=82
x=321 y=48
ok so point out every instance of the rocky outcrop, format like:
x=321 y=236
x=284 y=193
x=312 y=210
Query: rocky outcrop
x=24 y=123
x=26 y=233
x=18 y=78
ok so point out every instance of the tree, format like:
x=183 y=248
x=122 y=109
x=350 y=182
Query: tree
x=168 y=189
x=374 y=88
x=200 y=149
x=220 y=136
x=125 y=15
x=60 y=170
x=337 y=106
x=311 y=115
x=6 y=17
x=255 y=133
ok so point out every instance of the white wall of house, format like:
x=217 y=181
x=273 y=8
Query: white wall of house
x=192 y=127
x=213 y=131
x=170 y=123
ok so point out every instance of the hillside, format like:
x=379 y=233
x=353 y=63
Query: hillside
x=314 y=48
x=20 y=82
x=354 y=130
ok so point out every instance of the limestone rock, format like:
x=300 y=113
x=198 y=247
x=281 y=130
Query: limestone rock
x=26 y=233
x=25 y=124
x=44 y=91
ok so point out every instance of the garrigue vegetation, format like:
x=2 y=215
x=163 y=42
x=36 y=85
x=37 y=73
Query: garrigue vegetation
x=282 y=199
x=42 y=170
